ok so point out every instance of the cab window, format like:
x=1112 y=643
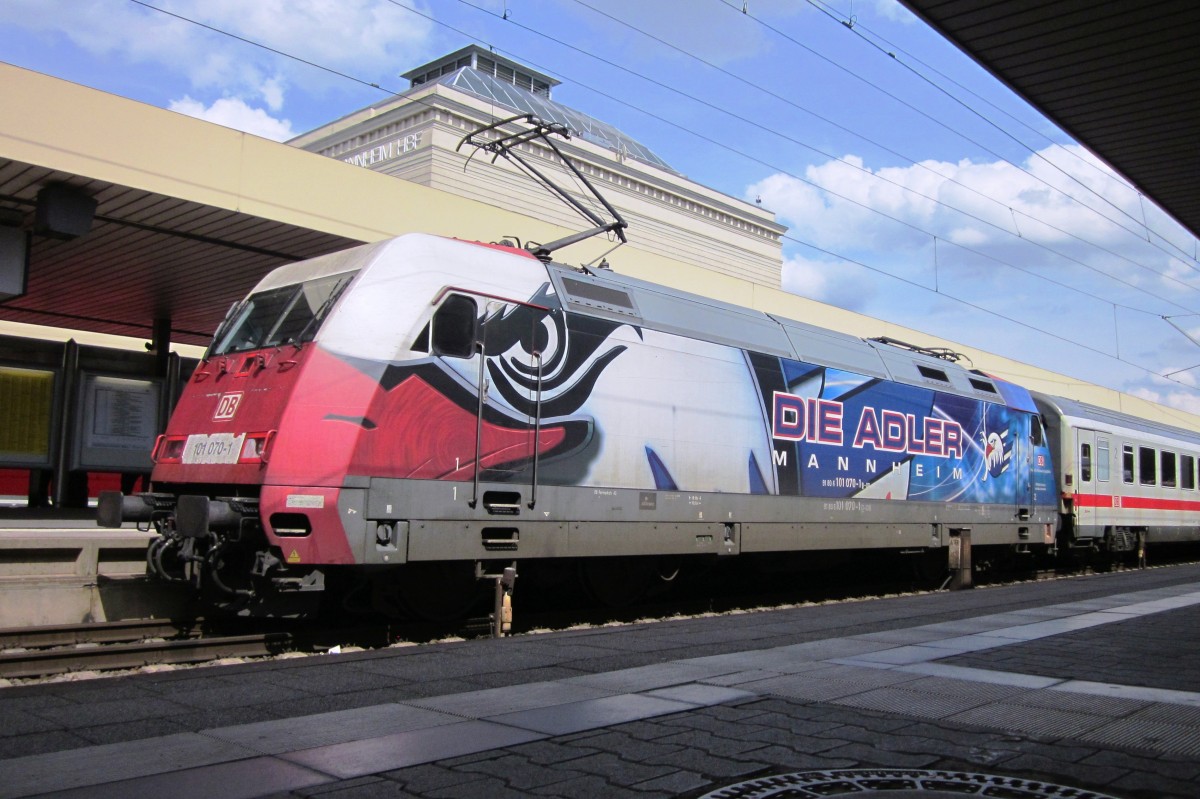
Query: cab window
x=289 y=314
x=454 y=327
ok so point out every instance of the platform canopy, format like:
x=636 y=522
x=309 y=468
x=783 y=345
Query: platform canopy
x=1122 y=78
x=188 y=215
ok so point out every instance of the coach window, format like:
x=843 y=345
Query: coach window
x=1187 y=472
x=1085 y=463
x=1127 y=463
x=1167 y=459
x=1147 y=461
x=1102 y=465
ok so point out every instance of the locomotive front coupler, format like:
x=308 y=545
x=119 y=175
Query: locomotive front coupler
x=196 y=515
x=114 y=508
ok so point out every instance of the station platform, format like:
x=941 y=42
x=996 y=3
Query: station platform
x=58 y=567
x=1081 y=687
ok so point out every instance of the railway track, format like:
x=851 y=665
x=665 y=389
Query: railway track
x=39 y=652
x=109 y=646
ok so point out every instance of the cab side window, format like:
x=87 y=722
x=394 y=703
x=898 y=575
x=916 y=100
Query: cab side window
x=454 y=328
x=1035 y=431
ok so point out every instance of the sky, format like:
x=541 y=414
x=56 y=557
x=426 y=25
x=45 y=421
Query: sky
x=917 y=189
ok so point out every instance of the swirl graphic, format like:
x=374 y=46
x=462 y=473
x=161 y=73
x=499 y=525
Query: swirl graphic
x=574 y=352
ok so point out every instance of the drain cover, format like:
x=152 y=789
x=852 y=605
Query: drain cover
x=897 y=784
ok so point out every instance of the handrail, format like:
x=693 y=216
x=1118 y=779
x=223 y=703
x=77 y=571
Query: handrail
x=537 y=430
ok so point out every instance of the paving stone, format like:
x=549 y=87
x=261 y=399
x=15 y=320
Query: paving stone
x=20 y=722
x=705 y=762
x=1078 y=774
x=589 y=788
x=1153 y=786
x=131 y=731
x=549 y=753
x=799 y=743
x=237 y=779
x=652 y=729
x=20 y=700
x=430 y=776
x=617 y=770
x=729 y=741
x=786 y=758
x=228 y=696
x=484 y=787
x=674 y=784
x=618 y=742
x=342 y=789
x=520 y=773
x=699 y=721
x=40 y=743
x=872 y=756
x=1188 y=770
x=795 y=726
x=107 y=712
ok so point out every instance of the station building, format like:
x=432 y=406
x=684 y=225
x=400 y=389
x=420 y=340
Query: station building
x=144 y=224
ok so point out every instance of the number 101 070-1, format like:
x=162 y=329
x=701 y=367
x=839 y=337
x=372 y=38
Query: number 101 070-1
x=213 y=448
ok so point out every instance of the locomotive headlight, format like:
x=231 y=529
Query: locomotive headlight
x=256 y=448
x=168 y=449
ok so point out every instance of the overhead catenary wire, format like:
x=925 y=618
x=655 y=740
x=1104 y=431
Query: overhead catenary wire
x=1113 y=176
x=915 y=284
x=761 y=126
x=917 y=163
x=782 y=170
x=821 y=6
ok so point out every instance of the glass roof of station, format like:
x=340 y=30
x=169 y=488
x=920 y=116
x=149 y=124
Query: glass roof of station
x=473 y=81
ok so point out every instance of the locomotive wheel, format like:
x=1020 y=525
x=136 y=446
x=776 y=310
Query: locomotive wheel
x=437 y=592
x=929 y=569
x=618 y=582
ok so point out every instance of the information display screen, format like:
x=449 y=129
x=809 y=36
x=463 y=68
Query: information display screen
x=26 y=415
x=118 y=422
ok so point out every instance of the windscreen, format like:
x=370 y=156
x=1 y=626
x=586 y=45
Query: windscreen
x=284 y=315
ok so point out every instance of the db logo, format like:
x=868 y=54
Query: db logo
x=227 y=406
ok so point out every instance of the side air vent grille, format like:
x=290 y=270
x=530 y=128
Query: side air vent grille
x=594 y=295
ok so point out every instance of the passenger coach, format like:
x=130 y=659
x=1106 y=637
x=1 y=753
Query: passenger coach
x=1124 y=481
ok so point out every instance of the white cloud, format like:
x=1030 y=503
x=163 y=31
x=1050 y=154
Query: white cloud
x=997 y=228
x=834 y=282
x=1037 y=215
x=1182 y=398
x=234 y=113
x=272 y=93
x=371 y=39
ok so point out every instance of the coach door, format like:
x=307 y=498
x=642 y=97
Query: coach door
x=1085 y=481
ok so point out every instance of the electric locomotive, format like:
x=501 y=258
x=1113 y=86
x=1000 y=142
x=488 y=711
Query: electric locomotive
x=398 y=420
x=408 y=413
